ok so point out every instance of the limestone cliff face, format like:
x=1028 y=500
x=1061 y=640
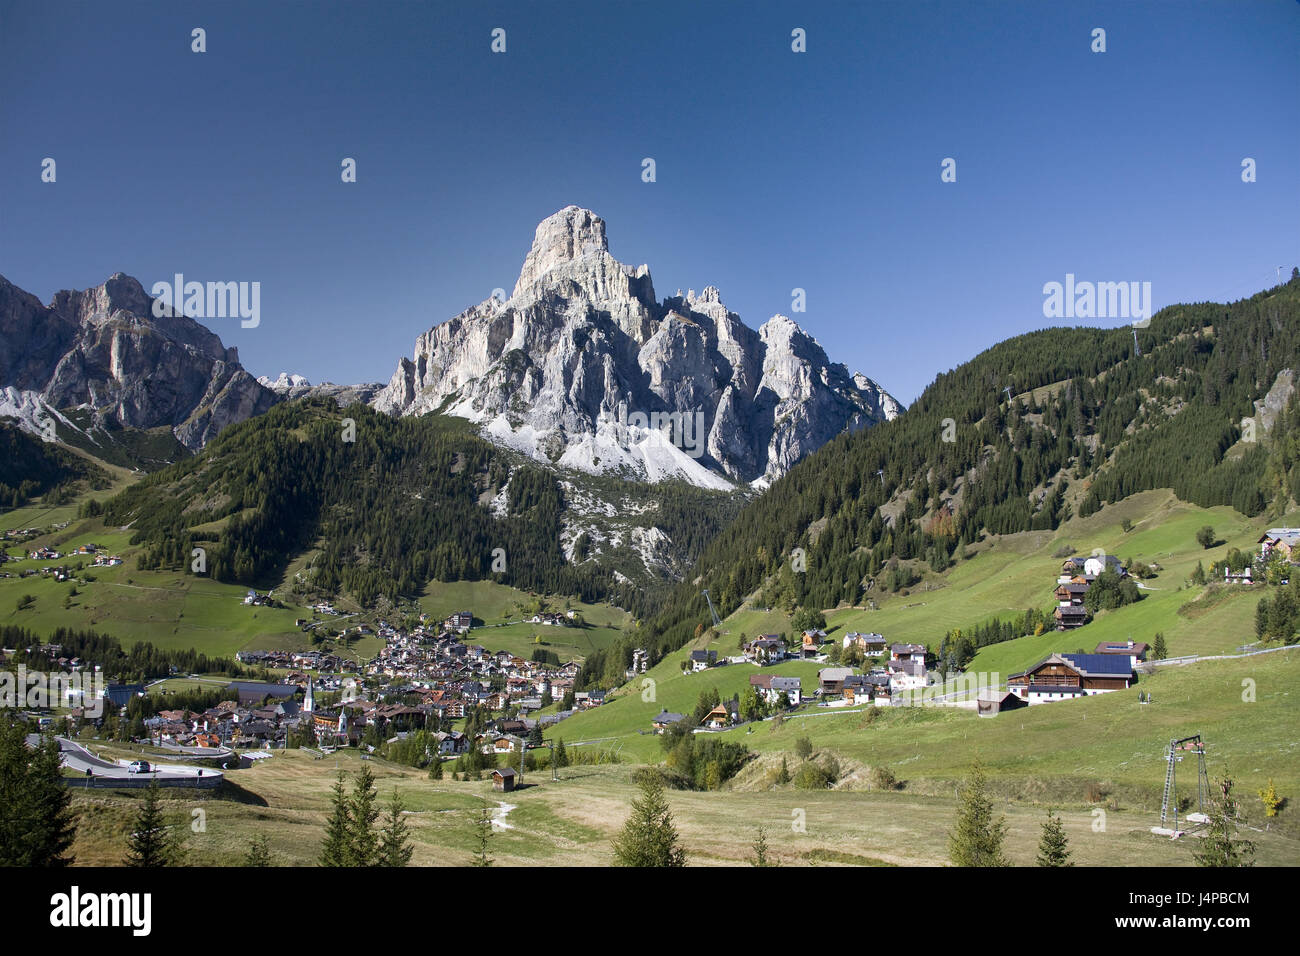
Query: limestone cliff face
x=582 y=346
x=104 y=349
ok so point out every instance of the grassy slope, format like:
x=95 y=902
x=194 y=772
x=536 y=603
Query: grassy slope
x=181 y=611
x=1013 y=573
x=572 y=822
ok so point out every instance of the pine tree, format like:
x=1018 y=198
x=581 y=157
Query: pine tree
x=1159 y=650
x=760 y=850
x=561 y=755
x=435 y=769
x=37 y=823
x=149 y=844
x=483 y=833
x=977 y=838
x=1054 y=848
x=1219 y=846
x=337 y=849
x=259 y=852
x=649 y=837
x=363 y=815
x=394 y=840
x=783 y=777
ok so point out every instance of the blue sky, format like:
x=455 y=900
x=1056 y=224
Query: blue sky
x=775 y=170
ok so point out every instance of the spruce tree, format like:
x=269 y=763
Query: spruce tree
x=977 y=838
x=394 y=840
x=1159 y=649
x=783 y=776
x=149 y=844
x=1220 y=846
x=1054 y=848
x=649 y=837
x=482 y=833
x=259 y=852
x=363 y=816
x=37 y=823
x=337 y=848
x=561 y=755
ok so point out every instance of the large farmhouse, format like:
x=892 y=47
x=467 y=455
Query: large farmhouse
x=1281 y=540
x=1066 y=676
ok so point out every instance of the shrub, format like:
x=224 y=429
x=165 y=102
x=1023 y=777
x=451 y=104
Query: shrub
x=882 y=778
x=813 y=776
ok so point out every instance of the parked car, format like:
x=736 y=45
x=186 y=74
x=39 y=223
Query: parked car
x=139 y=766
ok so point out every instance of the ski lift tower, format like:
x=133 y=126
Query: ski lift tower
x=1169 y=802
x=716 y=622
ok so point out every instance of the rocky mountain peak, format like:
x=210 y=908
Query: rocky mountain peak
x=571 y=234
x=582 y=360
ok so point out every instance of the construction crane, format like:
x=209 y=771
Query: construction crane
x=1169 y=803
x=716 y=621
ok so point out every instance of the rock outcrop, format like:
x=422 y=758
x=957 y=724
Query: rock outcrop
x=583 y=365
x=103 y=349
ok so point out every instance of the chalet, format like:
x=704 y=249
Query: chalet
x=857 y=689
x=703 y=660
x=770 y=687
x=830 y=680
x=811 y=644
x=908 y=674
x=767 y=649
x=1065 y=676
x=881 y=694
x=870 y=643
x=1090 y=567
x=1071 y=593
x=1135 y=652
x=451 y=742
x=718 y=717
x=503 y=779
x=1281 y=540
x=1070 y=616
x=504 y=744
x=665 y=719
x=907 y=652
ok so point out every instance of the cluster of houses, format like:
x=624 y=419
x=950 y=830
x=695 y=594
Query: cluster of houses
x=1077 y=575
x=101 y=559
x=416 y=675
x=903 y=670
x=772 y=648
x=557 y=619
x=447 y=677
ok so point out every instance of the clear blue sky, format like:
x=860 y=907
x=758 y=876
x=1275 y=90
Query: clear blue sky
x=775 y=170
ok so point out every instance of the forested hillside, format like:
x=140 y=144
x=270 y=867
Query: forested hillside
x=1012 y=441
x=408 y=500
x=30 y=468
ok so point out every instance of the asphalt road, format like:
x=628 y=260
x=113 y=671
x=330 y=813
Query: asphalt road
x=79 y=759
